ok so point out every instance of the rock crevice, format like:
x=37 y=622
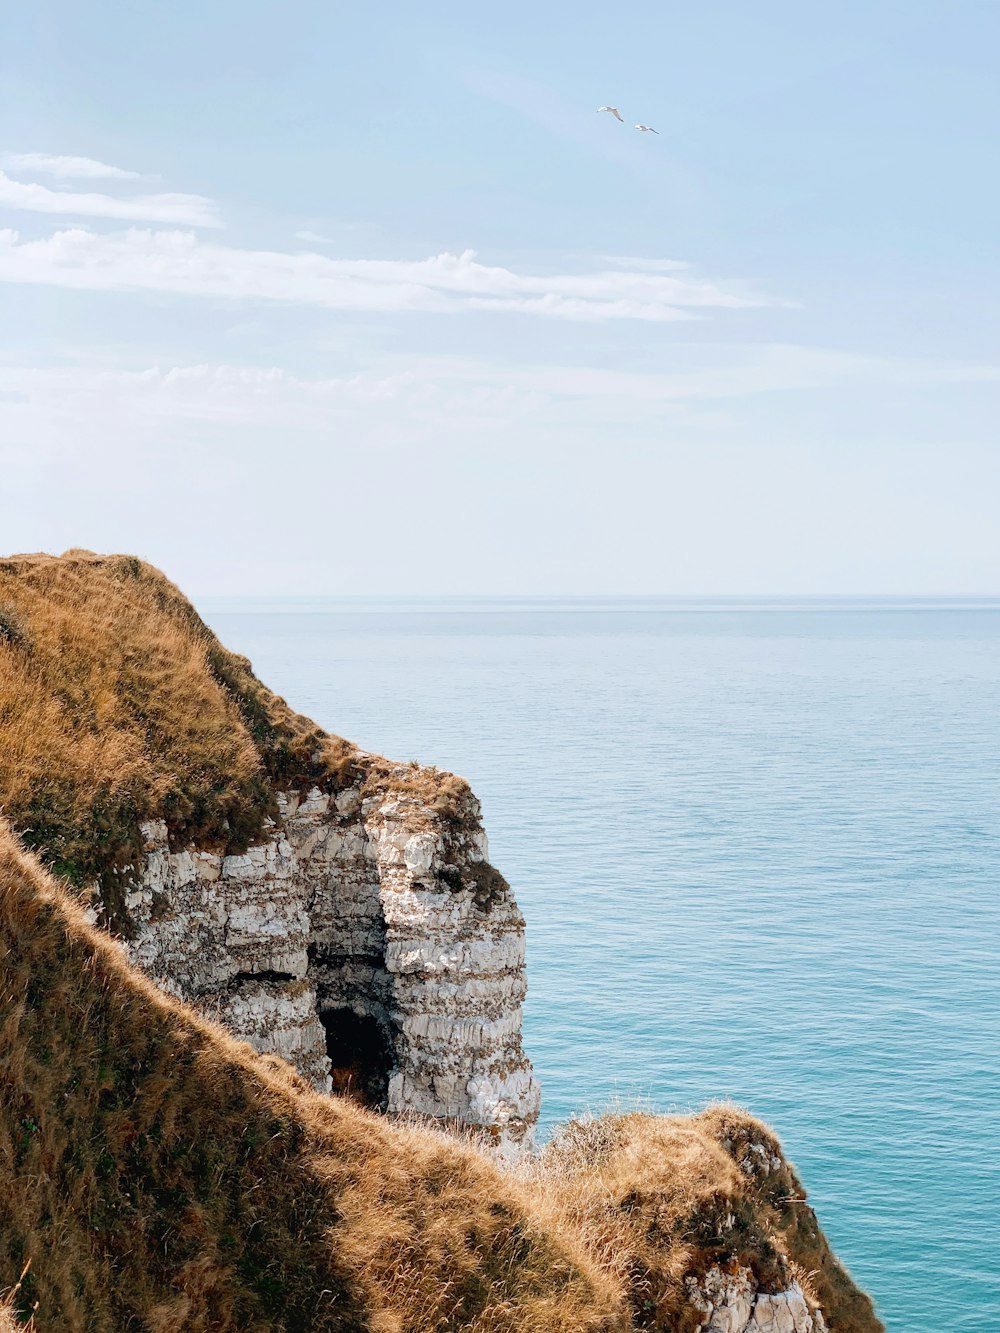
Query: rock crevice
x=356 y=941
x=733 y=1303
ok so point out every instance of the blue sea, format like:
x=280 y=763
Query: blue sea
x=757 y=844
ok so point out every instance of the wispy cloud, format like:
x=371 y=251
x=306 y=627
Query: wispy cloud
x=446 y=386
x=709 y=371
x=650 y=265
x=314 y=238
x=181 y=263
x=185 y=210
x=64 y=167
x=199 y=392
x=335 y=230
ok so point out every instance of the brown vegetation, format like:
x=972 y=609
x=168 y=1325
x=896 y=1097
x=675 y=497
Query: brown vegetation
x=117 y=704
x=161 y=1176
x=657 y=1200
x=158 y=1176
x=11 y=1320
x=9 y=1323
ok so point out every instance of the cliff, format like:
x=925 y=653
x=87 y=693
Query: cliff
x=326 y=905
x=160 y=1176
x=338 y=911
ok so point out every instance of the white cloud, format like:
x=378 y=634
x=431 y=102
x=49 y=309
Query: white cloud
x=183 y=264
x=582 y=310
x=55 y=412
x=63 y=167
x=188 y=210
x=687 y=500
x=314 y=238
x=710 y=371
x=650 y=265
x=456 y=387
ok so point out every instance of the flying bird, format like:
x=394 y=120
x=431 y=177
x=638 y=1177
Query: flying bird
x=614 y=111
x=647 y=129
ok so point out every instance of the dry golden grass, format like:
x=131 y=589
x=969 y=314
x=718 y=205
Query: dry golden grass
x=427 y=793
x=117 y=704
x=656 y=1200
x=161 y=1176
x=11 y=1319
x=9 y=1323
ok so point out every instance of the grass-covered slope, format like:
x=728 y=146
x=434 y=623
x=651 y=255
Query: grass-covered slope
x=161 y=1177
x=659 y=1200
x=117 y=704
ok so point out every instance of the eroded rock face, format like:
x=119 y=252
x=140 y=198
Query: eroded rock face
x=362 y=930
x=732 y=1303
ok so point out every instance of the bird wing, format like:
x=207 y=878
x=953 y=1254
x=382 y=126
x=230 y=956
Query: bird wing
x=614 y=112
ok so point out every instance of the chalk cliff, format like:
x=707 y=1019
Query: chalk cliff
x=363 y=940
x=326 y=905
x=339 y=911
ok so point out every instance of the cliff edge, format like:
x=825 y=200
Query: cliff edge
x=323 y=903
x=339 y=913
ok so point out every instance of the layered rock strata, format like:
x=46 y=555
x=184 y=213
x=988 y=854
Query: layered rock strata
x=732 y=1303
x=366 y=941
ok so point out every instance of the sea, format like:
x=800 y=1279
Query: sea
x=757 y=845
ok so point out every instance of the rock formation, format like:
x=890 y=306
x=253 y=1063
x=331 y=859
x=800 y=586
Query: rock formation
x=340 y=912
x=157 y=1175
x=324 y=904
x=363 y=941
x=732 y=1303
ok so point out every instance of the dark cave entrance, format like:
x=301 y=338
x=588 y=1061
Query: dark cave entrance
x=361 y=1056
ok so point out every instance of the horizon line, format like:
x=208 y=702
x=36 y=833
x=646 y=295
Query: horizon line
x=601 y=596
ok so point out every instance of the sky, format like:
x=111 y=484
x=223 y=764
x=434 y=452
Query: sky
x=326 y=299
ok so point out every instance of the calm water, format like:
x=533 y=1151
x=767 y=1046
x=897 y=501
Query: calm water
x=758 y=849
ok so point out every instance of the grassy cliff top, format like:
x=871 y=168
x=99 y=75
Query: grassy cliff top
x=118 y=705
x=159 y=1175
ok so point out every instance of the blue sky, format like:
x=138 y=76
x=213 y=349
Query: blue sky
x=310 y=298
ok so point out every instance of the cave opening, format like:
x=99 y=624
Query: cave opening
x=361 y=1057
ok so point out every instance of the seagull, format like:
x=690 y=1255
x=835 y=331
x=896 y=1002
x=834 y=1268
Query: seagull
x=647 y=129
x=614 y=111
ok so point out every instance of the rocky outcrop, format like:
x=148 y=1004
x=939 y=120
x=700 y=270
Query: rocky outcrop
x=733 y=1303
x=340 y=912
x=366 y=940
x=706 y=1219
